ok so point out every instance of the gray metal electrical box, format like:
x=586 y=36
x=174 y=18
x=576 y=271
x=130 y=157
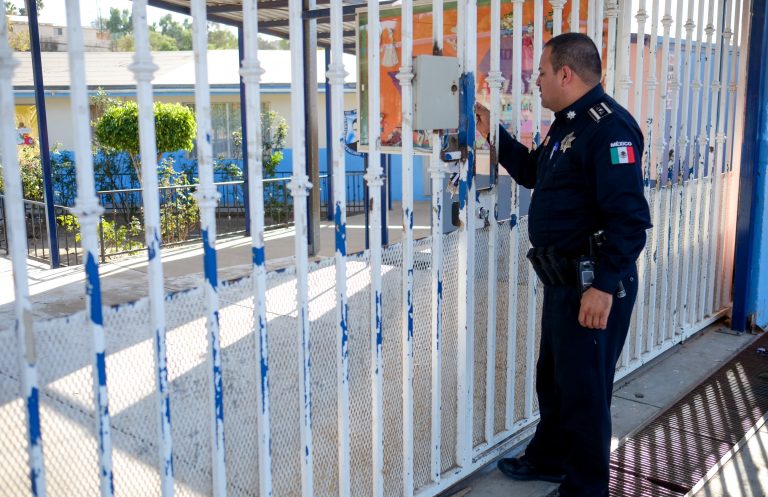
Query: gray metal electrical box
x=435 y=92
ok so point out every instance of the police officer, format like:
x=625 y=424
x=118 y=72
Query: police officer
x=587 y=178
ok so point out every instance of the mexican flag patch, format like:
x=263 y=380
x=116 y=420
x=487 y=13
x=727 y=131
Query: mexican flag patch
x=622 y=153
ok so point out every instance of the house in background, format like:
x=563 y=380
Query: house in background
x=53 y=38
x=174 y=81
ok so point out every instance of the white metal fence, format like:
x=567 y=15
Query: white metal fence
x=387 y=373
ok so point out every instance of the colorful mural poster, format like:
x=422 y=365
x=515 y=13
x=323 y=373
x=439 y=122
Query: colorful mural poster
x=26 y=125
x=391 y=45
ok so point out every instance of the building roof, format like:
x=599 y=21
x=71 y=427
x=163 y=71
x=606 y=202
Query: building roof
x=273 y=16
x=176 y=70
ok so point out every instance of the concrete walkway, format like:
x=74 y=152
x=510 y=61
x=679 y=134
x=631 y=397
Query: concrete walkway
x=637 y=400
x=59 y=292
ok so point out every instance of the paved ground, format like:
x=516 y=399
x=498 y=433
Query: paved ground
x=58 y=292
x=639 y=399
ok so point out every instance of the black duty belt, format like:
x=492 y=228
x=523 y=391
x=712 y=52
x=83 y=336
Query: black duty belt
x=552 y=268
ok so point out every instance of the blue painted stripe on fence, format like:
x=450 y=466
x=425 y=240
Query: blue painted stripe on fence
x=209 y=262
x=410 y=302
x=154 y=246
x=93 y=288
x=33 y=411
x=345 y=338
x=263 y=365
x=258 y=256
x=217 y=378
x=341 y=231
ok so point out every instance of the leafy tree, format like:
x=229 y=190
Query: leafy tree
x=179 y=31
x=274 y=132
x=220 y=39
x=280 y=44
x=117 y=129
x=18 y=41
x=120 y=22
x=10 y=8
x=157 y=42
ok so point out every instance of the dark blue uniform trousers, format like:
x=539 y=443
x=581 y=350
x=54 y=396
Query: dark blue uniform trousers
x=574 y=383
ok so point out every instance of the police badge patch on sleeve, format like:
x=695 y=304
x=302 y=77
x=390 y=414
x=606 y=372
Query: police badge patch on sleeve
x=622 y=153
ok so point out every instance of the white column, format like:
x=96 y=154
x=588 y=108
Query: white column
x=494 y=80
x=575 y=21
x=697 y=86
x=642 y=17
x=557 y=18
x=514 y=234
x=17 y=249
x=598 y=29
x=251 y=72
x=710 y=237
x=336 y=75
x=437 y=170
x=207 y=198
x=661 y=171
x=685 y=169
x=405 y=76
x=300 y=186
x=716 y=241
x=143 y=69
x=375 y=181
x=612 y=13
x=622 y=53
x=675 y=189
x=649 y=158
x=468 y=216
x=88 y=212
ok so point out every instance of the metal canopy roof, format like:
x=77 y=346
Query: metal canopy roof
x=273 y=16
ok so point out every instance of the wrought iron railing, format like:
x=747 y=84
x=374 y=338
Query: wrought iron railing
x=121 y=230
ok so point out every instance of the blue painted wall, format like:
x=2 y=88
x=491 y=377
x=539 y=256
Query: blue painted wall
x=355 y=163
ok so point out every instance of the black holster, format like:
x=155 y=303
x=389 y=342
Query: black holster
x=551 y=268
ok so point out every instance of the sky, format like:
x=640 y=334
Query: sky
x=54 y=11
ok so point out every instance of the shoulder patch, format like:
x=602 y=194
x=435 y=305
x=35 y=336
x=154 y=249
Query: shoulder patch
x=599 y=111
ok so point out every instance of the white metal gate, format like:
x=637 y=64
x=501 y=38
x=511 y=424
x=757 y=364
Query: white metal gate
x=389 y=372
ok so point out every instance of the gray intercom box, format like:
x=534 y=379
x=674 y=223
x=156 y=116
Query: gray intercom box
x=435 y=92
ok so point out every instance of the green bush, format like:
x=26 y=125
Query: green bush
x=117 y=129
x=31 y=170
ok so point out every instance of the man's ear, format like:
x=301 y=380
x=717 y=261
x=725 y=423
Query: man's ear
x=566 y=75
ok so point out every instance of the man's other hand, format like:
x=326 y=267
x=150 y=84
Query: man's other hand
x=483 y=119
x=595 y=308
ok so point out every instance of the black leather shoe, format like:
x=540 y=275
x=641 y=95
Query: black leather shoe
x=519 y=468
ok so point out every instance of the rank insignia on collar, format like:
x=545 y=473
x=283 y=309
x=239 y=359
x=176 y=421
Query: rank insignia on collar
x=599 y=111
x=567 y=141
x=571 y=114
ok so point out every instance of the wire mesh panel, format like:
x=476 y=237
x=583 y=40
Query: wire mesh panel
x=13 y=467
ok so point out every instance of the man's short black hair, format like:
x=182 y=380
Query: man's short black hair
x=577 y=51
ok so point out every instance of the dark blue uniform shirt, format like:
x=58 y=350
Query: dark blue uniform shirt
x=586 y=176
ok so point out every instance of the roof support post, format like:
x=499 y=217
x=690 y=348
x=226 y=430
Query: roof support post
x=328 y=140
x=749 y=274
x=243 y=134
x=310 y=131
x=42 y=131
